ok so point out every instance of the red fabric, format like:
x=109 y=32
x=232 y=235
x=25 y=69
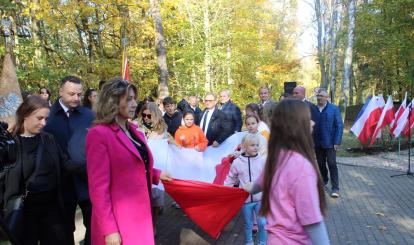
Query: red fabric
x=210 y=206
x=222 y=170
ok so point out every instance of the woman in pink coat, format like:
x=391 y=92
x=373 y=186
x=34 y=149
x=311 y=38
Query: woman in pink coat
x=120 y=170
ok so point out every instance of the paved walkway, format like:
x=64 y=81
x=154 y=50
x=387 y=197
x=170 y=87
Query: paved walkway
x=373 y=209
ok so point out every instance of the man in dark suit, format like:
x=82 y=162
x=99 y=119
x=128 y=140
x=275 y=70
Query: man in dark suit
x=214 y=123
x=67 y=118
x=264 y=94
x=231 y=110
x=183 y=105
x=299 y=92
x=193 y=102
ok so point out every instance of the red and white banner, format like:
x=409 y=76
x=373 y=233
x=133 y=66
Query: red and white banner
x=387 y=116
x=401 y=122
x=399 y=113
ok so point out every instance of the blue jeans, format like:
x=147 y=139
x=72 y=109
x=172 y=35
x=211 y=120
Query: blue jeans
x=248 y=209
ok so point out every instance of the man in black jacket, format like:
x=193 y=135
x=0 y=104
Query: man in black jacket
x=214 y=123
x=66 y=118
x=171 y=117
x=193 y=102
x=231 y=110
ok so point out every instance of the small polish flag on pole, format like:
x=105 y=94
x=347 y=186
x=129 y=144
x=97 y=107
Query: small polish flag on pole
x=399 y=112
x=401 y=123
x=387 y=116
x=365 y=126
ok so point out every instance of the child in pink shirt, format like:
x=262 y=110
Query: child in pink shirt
x=293 y=200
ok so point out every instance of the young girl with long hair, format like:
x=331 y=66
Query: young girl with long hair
x=254 y=109
x=293 y=199
x=190 y=135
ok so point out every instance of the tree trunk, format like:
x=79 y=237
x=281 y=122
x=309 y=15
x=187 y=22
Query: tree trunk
x=348 y=57
x=207 y=46
x=161 y=49
x=228 y=60
x=333 y=52
x=192 y=40
x=321 y=55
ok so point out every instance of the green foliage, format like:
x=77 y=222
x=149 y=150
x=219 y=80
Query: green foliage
x=251 y=44
x=383 y=49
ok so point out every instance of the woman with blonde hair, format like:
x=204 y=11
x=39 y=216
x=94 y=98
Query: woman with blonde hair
x=120 y=170
x=151 y=122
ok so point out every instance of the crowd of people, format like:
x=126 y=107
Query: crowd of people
x=90 y=150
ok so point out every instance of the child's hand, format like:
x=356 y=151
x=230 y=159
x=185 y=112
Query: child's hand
x=236 y=154
x=248 y=187
x=197 y=148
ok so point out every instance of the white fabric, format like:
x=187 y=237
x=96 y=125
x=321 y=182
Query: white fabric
x=190 y=164
x=263 y=127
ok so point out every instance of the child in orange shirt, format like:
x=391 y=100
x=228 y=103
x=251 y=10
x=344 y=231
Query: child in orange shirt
x=190 y=135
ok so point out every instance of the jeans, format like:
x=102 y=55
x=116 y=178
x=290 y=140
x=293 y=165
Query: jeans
x=248 y=209
x=324 y=156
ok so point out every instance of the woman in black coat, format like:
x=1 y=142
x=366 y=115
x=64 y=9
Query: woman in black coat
x=37 y=173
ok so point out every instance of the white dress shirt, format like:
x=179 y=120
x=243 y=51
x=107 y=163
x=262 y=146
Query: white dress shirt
x=210 y=113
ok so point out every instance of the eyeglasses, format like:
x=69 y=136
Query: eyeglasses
x=144 y=115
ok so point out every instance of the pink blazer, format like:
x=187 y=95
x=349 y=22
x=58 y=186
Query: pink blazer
x=118 y=187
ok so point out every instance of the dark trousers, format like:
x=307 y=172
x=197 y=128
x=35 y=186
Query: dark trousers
x=43 y=221
x=328 y=156
x=86 y=207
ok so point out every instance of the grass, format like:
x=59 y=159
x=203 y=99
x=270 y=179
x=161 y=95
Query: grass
x=349 y=141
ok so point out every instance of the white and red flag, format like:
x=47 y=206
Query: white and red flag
x=399 y=112
x=399 y=125
x=387 y=116
x=365 y=126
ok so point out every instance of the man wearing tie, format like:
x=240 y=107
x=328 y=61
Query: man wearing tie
x=214 y=123
x=68 y=123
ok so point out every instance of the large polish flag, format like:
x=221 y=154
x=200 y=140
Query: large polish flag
x=399 y=112
x=387 y=116
x=401 y=123
x=365 y=126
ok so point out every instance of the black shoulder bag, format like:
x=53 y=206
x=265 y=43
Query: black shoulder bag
x=13 y=212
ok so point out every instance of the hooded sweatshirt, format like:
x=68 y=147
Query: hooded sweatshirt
x=190 y=137
x=245 y=169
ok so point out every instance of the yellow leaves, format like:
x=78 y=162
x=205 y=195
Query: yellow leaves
x=279 y=68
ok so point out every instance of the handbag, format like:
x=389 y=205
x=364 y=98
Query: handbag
x=13 y=211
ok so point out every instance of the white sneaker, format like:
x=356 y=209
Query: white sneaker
x=334 y=194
